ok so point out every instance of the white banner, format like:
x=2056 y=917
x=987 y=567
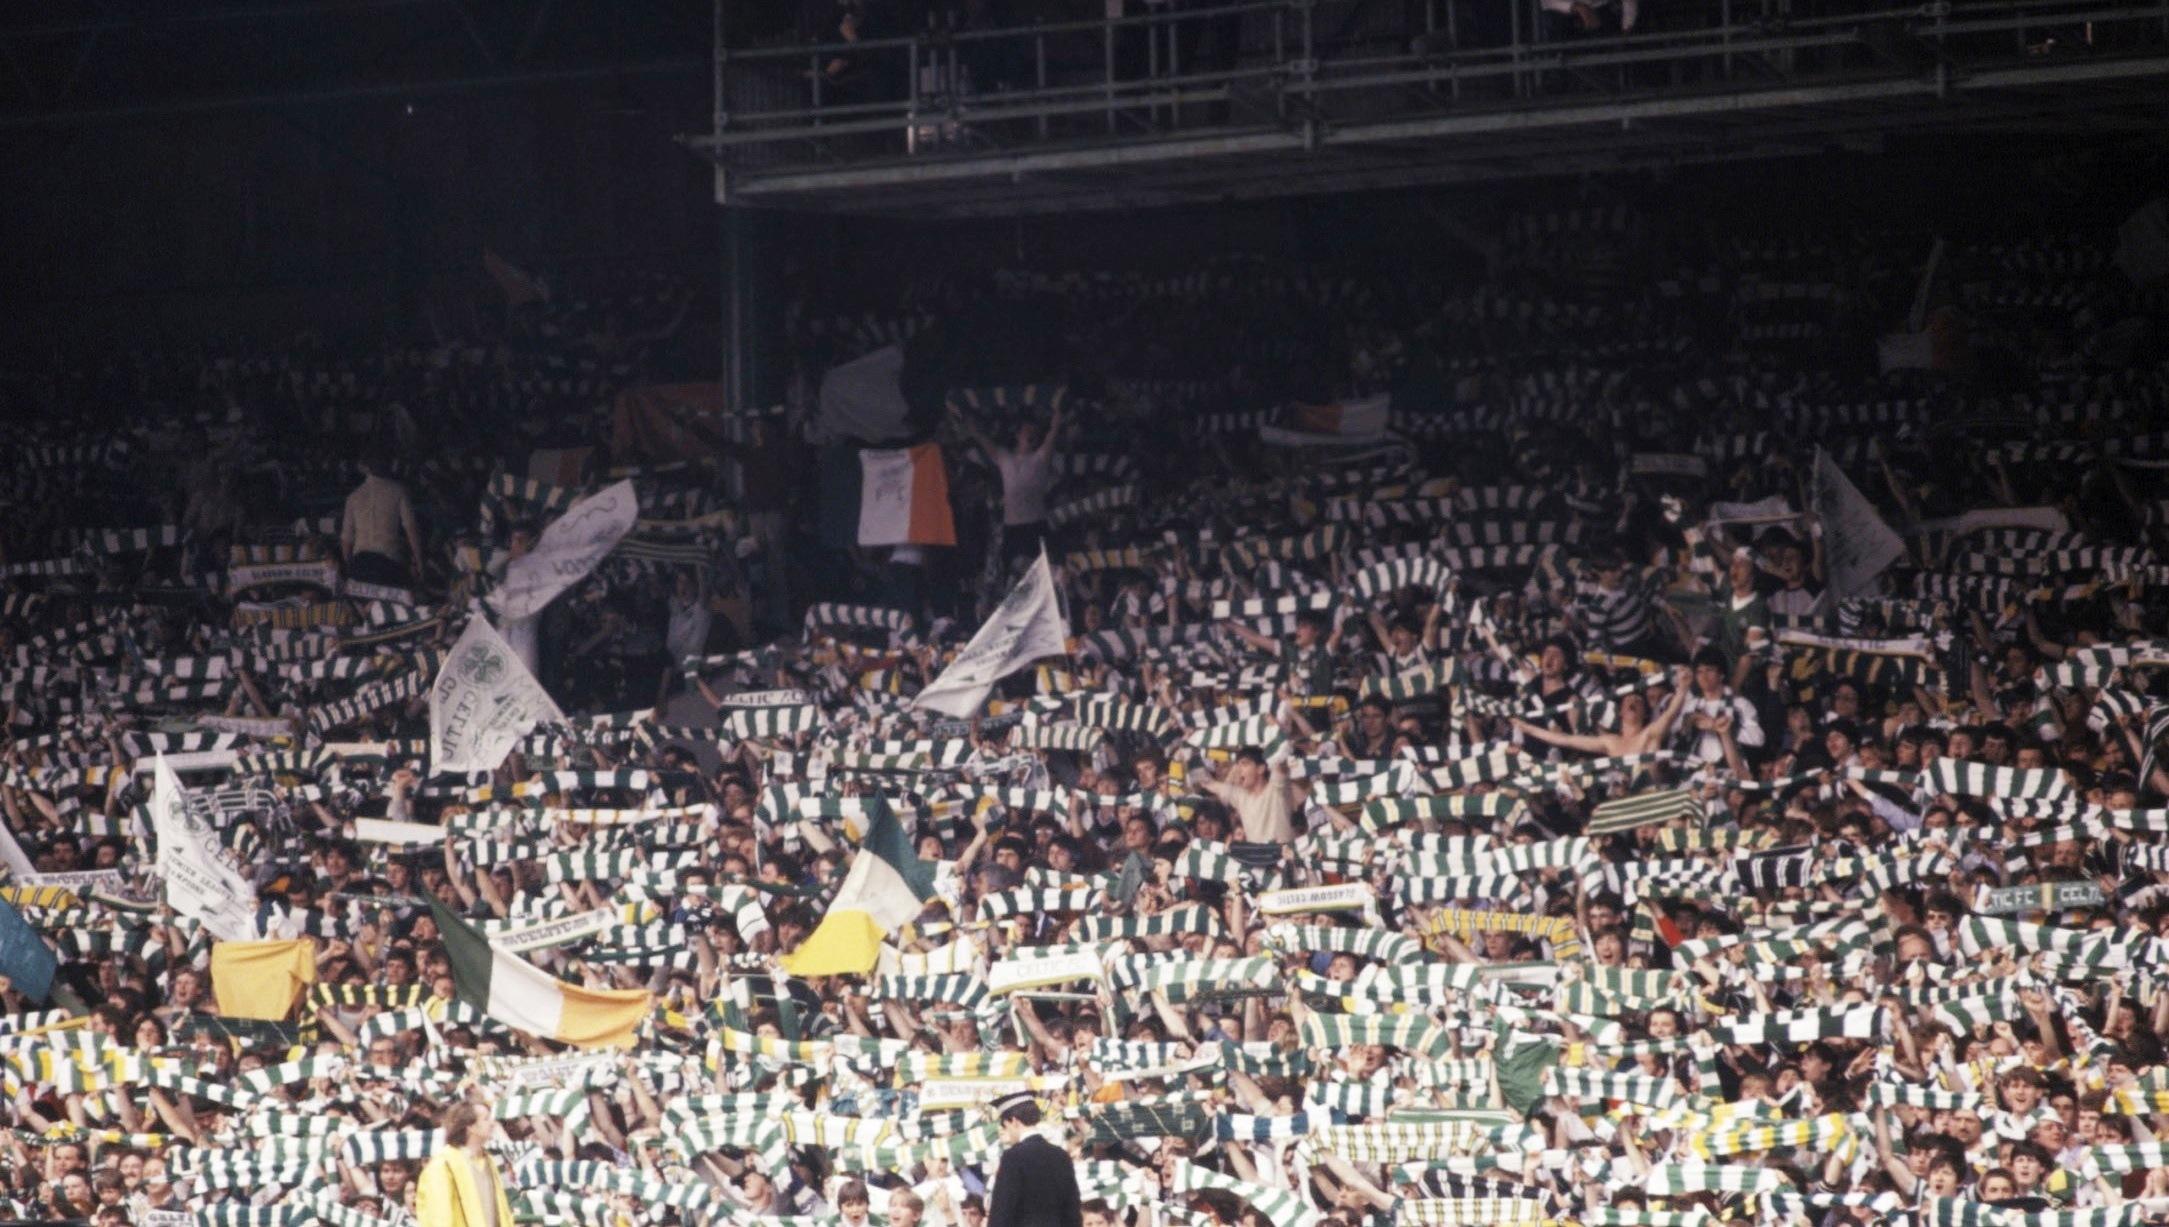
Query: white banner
x=586 y=1070
x=942 y=1094
x=199 y=883
x=386 y=831
x=1912 y=645
x=569 y=549
x=376 y=592
x=1010 y=975
x=1334 y=898
x=12 y=855
x=1346 y=424
x=765 y=698
x=554 y=932
x=247 y=726
x=321 y=574
x=1027 y=626
x=82 y=882
x=483 y=702
x=1857 y=545
x=1772 y=510
x=193 y=760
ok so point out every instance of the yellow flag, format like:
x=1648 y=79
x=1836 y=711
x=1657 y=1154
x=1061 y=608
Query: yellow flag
x=261 y=979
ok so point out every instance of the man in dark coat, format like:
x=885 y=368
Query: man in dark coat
x=1036 y=1185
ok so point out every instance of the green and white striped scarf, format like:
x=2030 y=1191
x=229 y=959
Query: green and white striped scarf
x=1865 y=1022
x=1820 y=1133
x=1469 y=1211
x=1185 y=979
x=1173 y=922
x=1644 y=809
x=368 y=1146
x=1409 y=1032
x=1696 y=1176
x=1392 y=1141
x=1382 y=813
x=1383 y=945
x=1574 y=853
x=955 y=988
x=1969 y=779
x=1281 y=1207
x=1964 y=1212
x=1589 y=1086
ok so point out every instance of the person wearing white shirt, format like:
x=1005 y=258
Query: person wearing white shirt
x=1718 y=723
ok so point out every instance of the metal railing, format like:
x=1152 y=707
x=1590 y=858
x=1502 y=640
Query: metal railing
x=1280 y=64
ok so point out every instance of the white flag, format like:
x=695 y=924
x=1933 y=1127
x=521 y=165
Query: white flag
x=12 y=855
x=1028 y=625
x=199 y=882
x=483 y=701
x=1857 y=545
x=569 y=549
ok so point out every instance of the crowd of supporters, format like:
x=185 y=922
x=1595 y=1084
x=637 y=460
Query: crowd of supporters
x=1498 y=775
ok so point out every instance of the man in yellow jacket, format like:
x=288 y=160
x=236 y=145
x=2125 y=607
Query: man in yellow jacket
x=461 y=1186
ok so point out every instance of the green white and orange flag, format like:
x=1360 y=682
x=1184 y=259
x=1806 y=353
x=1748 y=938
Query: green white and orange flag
x=525 y=998
x=884 y=891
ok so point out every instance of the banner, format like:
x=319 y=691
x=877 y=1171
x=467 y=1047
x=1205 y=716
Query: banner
x=1929 y=341
x=354 y=589
x=198 y=882
x=569 y=549
x=386 y=831
x=904 y=497
x=667 y=423
x=1027 y=626
x=863 y=399
x=18 y=862
x=557 y=932
x=1857 y=545
x=193 y=760
x=1012 y=974
x=25 y=959
x=1909 y=645
x=247 y=726
x=321 y=574
x=1336 y=425
x=945 y=1094
x=1336 y=898
x=1772 y=510
x=570 y=1071
x=765 y=698
x=483 y=702
x=82 y=882
x=2040 y=897
x=1332 y=425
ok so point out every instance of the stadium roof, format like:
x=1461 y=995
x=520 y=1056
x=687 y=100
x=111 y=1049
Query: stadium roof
x=1298 y=113
x=79 y=62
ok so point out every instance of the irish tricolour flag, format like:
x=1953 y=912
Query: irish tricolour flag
x=525 y=998
x=883 y=892
x=904 y=497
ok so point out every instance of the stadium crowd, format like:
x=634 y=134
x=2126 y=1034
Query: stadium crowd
x=1501 y=771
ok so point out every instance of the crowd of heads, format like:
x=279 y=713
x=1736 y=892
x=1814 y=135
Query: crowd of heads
x=1524 y=806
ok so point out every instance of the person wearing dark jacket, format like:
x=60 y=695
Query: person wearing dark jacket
x=1036 y=1185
